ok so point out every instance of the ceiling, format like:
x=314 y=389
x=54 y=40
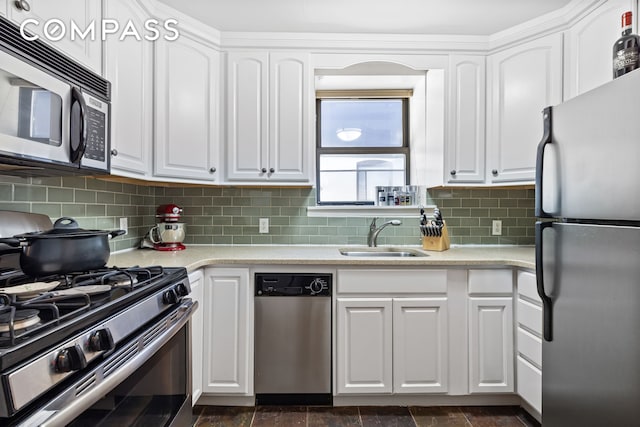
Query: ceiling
x=459 y=17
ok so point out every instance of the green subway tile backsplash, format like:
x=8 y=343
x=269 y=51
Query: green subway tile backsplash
x=229 y=215
x=462 y=207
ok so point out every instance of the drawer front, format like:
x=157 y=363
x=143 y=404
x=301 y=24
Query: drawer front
x=530 y=346
x=482 y=282
x=527 y=286
x=391 y=281
x=530 y=316
x=529 y=383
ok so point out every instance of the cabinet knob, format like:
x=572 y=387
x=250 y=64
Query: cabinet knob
x=453 y=172
x=114 y=152
x=272 y=170
x=263 y=170
x=494 y=172
x=212 y=170
x=22 y=5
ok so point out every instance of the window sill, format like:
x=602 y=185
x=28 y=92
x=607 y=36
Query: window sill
x=368 y=211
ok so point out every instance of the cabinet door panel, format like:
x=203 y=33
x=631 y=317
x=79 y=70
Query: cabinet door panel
x=364 y=345
x=129 y=68
x=589 y=47
x=491 y=345
x=228 y=356
x=84 y=13
x=524 y=80
x=289 y=121
x=186 y=115
x=530 y=383
x=466 y=140
x=420 y=345
x=248 y=101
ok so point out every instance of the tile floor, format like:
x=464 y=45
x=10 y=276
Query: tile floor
x=365 y=416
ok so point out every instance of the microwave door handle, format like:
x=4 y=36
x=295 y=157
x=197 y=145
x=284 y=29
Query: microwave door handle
x=78 y=139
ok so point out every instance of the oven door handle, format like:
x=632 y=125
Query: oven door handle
x=71 y=407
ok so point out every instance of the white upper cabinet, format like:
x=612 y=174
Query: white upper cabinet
x=522 y=81
x=186 y=115
x=589 y=52
x=268 y=107
x=129 y=68
x=465 y=147
x=83 y=13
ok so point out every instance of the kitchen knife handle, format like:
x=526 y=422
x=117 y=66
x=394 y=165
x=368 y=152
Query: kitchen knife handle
x=547 y=302
x=546 y=139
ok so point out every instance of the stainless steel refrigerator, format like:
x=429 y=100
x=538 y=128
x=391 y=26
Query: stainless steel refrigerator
x=588 y=257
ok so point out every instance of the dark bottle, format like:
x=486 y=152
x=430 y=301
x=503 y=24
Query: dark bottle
x=626 y=49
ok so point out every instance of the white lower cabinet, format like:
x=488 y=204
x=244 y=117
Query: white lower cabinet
x=228 y=331
x=420 y=345
x=529 y=341
x=491 y=341
x=196 y=280
x=364 y=345
x=491 y=331
x=391 y=344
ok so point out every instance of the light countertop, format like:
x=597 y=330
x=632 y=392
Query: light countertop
x=196 y=256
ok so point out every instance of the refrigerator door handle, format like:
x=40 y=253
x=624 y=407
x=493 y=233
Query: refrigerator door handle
x=546 y=139
x=547 y=303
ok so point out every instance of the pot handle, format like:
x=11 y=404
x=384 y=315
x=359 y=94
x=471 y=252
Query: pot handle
x=116 y=233
x=11 y=241
x=65 y=223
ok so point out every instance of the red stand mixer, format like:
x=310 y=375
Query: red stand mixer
x=169 y=232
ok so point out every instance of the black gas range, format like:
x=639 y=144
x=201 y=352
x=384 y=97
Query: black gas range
x=62 y=337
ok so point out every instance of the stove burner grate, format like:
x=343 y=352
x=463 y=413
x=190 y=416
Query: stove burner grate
x=50 y=310
x=18 y=320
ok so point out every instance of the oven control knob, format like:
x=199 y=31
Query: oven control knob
x=170 y=297
x=181 y=290
x=101 y=340
x=317 y=286
x=70 y=359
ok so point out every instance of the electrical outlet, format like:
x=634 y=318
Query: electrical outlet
x=496 y=227
x=124 y=225
x=263 y=225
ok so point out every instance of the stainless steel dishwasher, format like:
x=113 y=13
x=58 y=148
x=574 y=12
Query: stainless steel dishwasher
x=293 y=338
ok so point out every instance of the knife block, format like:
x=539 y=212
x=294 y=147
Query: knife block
x=439 y=244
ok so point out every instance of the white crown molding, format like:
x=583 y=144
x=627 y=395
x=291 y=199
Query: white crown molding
x=552 y=22
x=348 y=42
x=186 y=24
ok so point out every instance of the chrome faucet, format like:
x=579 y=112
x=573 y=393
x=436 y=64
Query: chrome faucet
x=372 y=237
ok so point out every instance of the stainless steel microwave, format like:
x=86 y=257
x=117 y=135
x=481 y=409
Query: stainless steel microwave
x=54 y=112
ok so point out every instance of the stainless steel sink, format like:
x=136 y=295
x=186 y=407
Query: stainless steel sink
x=381 y=252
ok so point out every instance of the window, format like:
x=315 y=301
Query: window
x=362 y=142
